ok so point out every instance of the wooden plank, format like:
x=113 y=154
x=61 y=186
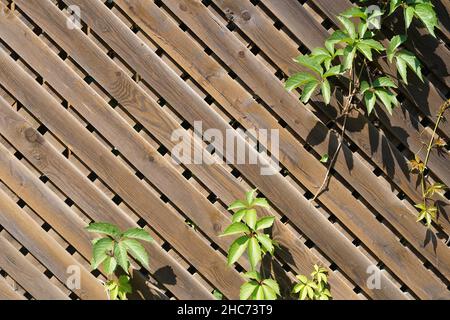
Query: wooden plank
x=336 y=199
x=176 y=92
x=110 y=125
x=7 y=292
x=161 y=124
x=89 y=198
x=30 y=234
x=257 y=28
x=121 y=179
x=26 y=274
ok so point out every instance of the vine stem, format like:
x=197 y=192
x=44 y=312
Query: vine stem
x=440 y=116
x=346 y=110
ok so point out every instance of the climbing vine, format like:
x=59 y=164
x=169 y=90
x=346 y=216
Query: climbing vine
x=349 y=61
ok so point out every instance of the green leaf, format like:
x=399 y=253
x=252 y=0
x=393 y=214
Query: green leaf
x=303 y=279
x=269 y=293
x=109 y=265
x=388 y=99
x=354 y=12
x=237 y=248
x=137 y=233
x=265 y=222
x=124 y=284
x=308 y=90
x=259 y=293
x=384 y=82
x=365 y=50
x=238 y=204
x=235 y=228
x=320 y=52
x=409 y=15
x=393 y=5
x=373 y=44
x=261 y=202
x=237 y=217
x=370 y=100
x=325 y=158
x=104 y=228
x=217 y=294
x=250 y=218
x=137 y=251
x=249 y=196
x=425 y=12
x=247 y=290
x=254 y=252
x=412 y=62
x=349 y=56
x=310 y=63
x=326 y=91
x=362 y=29
x=402 y=69
x=395 y=42
x=273 y=284
x=253 y=275
x=100 y=251
x=303 y=293
x=266 y=242
x=364 y=86
x=114 y=291
x=121 y=255
x=337 y=37
x=333 y=71
x=298 y=80
x=348 y=25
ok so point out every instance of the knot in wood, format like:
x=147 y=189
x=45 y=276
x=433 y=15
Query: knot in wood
x=246 y=15
x=31 y=135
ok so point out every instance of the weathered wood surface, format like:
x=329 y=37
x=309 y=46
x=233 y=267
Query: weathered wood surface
x=91 y=113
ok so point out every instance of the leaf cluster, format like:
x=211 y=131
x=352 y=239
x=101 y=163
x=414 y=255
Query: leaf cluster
x=315 y=288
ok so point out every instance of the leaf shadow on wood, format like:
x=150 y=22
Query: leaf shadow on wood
x=271 y=266
x=145 y=288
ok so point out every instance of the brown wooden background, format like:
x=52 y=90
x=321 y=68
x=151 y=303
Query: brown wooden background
x=85 y=123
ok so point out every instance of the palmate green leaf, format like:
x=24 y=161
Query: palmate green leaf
x=336 y=37
x=435 y=188
x=411 y=61
x=100 y=251
x=369 y=100
x=266 y=242
x=235 y=228
x=109 y=265
x=251 y=218
x=137 y=233
x=387 y=98
x=264 y=223
x=137 y=251
x=426 y=13
x=237 y=248
x=326 y=91
x=308 y=90
x=254 y=252
x=395 y=42
x=237 y=205
x=104 y=228
x=409 y=15
x=247 y=289
x=384 y=81
x=121 y=255
x=348 y=25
